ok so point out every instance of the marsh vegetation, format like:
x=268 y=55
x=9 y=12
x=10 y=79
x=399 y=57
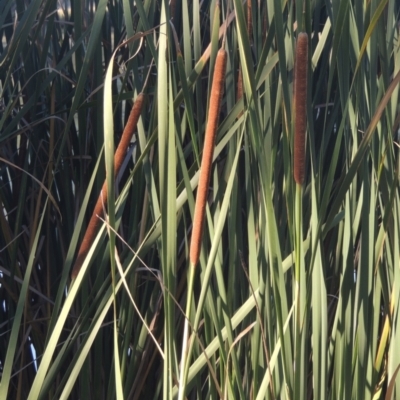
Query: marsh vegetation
x=291 y=289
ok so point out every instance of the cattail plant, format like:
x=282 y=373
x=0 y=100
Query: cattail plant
x=300 y=107
x=119 y=156
x=300 y=125
x=209 y=143
x=201 y=199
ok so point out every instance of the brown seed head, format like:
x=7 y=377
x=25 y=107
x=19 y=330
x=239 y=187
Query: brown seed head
x=208 y=151
x=300 y=107
x=119 y=156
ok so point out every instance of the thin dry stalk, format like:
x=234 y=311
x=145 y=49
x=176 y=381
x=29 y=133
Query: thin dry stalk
x=119 y=156
x=300 y=107
x=209 y=142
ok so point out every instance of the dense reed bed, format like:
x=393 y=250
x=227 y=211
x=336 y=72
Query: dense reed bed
x=290 y=290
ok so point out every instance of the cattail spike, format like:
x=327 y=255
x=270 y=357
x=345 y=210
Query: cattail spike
x=119 y=156
x=126 y=138
x=249 y=20
x=300 y=107
x=209 y=143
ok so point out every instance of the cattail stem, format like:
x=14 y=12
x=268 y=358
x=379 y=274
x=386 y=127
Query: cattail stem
x=201 y=201
x=300 y=107
x=300 y=120
x=209 y=143
x=119 y=156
